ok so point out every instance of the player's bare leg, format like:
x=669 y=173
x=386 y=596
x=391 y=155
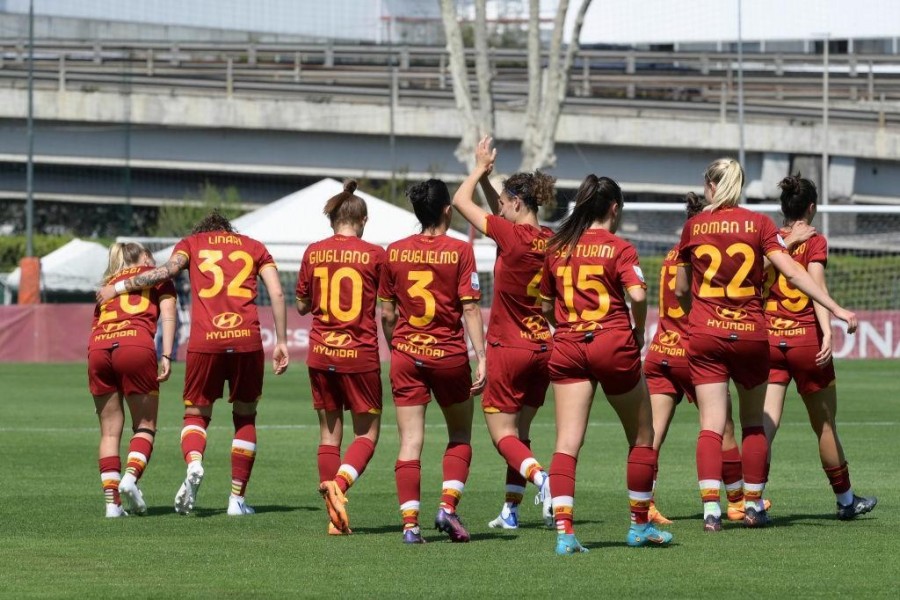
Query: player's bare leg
x=754 y=452
x=457 y=458
x=663 y=410
x=408 y=469
x=143 y=408
x=193 y=445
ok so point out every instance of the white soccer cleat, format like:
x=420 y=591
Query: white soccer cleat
x=545 y=499
x=237 y=506
x=132 y=498
x=114 y=511
x=508 y=519
x=187 y=493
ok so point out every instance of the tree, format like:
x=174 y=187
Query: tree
x=547 y=86
x=177 y=220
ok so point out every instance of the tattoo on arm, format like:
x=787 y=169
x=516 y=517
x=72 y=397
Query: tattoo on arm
x=154 y=276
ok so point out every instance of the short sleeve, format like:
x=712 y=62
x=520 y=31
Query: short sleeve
x=264 y=259
x=166 y=289
x=629 y=268
x=386 y=289
x=501 y=231
x=770 y=237
x=183 y=247
x=469 y=287
x=817 y=250
x=548 y=291
x=303 y=278
x=684 y=252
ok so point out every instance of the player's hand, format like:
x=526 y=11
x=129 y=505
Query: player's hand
x=106 y=293
x=165 y=369
x=480 y=378
x=280 y=358
x=849 y=318
x=800 y=232
x=823 y=356
x=485 y=155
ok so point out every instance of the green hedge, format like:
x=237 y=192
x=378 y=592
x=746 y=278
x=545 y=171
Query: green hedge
x=12 y=248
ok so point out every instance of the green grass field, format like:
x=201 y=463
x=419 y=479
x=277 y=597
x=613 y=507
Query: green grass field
x=54 y=540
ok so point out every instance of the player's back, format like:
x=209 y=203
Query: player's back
x=670 y=340
x=789 y=312
x=128 y=319
x=223 y=269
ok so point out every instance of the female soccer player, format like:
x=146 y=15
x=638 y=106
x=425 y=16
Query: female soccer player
x=669 y=380
x=429 y=284
x=518 y=337
x=588 y=271
x=122 y=364
x=720 y=275
x=338 y=283
x=800 y=349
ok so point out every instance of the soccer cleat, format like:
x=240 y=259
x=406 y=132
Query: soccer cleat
x=451 y=524
x=647 y=535
x=332 y=530
x=114 y=511
x=237 y=506
x=187 y=493
x=334 y=503
x=657 y=517
x=735 y=510
x=860 y=506
x=545 y=499
x=712 y=523
x=566 y=544
x=755 y=518
x=507 y=519
x=413 y=535
x=132 y=497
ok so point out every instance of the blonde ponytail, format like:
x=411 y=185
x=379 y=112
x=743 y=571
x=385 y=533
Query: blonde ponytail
x=728 y=176
x=122 y=255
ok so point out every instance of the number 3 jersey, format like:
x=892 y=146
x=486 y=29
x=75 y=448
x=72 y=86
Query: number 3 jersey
x=588 y=283
x=669 y=344
x=129 y=319
x=429 y=277
x=339 y=278
x=789 y=312
x=223 y=268
x=725 y=250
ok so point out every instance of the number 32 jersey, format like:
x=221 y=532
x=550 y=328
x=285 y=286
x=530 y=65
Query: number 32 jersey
x=339 y=277
x=725 y=250
x=223 y=268
x=429 y=277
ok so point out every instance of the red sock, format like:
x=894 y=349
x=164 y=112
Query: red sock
x=329 y=458
x=519 y=456
x=243 y=452
x=754 y=452
x=457 y=458
x=839 y=478
x=356 y=458
x=562 y=486
x=515 y=483
x=642 y=461
x=733 y=475
x=139 y=451
x=193 y=437
x=408 y=474
x=110 y=476
x=709 y=465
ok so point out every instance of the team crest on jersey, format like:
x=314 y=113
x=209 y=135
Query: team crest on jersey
x=476 y=285
x=534 y=323
x=782 y=323
x=421 y=339
x=638 y=272
x=669 y=338
x=227 y=320
x=732 y=314
x=337 y=339
x=113 y=327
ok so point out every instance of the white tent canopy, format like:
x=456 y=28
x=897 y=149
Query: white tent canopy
x=78 y=267
x=287 y=226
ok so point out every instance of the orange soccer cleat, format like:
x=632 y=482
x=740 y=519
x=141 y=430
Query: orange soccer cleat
x=334 y=503
x=736 y=510
x=657 y=517
x=332 y=530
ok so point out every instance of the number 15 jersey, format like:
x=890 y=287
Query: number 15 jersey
x=223 y=268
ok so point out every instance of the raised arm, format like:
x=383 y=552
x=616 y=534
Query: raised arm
x=475 y=329
x=799 y=278
x=144 y=280
x=280 y=357
x=464 y=199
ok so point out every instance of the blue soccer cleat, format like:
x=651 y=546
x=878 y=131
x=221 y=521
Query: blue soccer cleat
x=647 y=535
x=566 y=544
x=507 y=519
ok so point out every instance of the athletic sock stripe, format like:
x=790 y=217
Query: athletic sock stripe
x=348 y=472
x=410 y=505
x=454 y=485
x=243 y=445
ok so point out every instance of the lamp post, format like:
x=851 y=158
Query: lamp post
x=740 y=45
x=29 y=166
x=824 y=197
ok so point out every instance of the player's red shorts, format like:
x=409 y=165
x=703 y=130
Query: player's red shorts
x=206 y=373
x=609 y=356
x=799 y=363
x=672 y=380
x=127 y=369
x=715 y=360
x=356 y=392
x=517 y=377
x=413 y=385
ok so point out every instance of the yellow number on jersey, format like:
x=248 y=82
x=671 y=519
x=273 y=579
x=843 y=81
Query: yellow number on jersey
x=106 y=314
x=210 y=264
x=419 y=289
x=735 y=287
x=676 y=312
x=585 y=284
x=330 y=293
x=534 y=287
x=794 y=300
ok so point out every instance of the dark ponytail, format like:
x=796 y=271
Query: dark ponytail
x=694 y=204
x=345 y=207
x=593 y=201
x=429 y=199
x=797 y=194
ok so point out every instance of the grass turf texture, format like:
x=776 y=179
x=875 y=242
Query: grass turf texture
x=54 y=540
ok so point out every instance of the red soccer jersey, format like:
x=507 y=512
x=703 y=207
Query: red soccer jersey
x=223 y=268
x=789 y=312
x=339 y=277
x=588 y=283
x=129 y=319
x=670 y=341
x=516 y=318
x=725 y=250
x=429 y=277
